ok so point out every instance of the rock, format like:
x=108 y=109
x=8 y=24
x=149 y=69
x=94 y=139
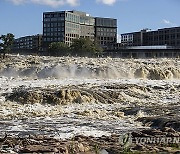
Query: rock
x=167 y=129
x=173 y=134
x=140 y=147
x=103 y=151
x=83 y=148
x=63 y=150
x=152 y=132
x=37 y=149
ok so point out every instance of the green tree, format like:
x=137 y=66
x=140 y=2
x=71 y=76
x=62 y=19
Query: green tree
x=6 y=43
x=98 y=49
x=85 y=47
x=59 y=49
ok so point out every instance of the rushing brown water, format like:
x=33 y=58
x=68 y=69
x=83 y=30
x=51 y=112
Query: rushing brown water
x=64 y=97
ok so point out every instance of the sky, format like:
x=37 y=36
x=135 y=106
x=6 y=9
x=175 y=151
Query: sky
x=24 y=17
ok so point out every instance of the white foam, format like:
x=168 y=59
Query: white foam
x=82 y=119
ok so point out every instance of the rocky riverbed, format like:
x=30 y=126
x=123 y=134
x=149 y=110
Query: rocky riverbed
x=87 y=105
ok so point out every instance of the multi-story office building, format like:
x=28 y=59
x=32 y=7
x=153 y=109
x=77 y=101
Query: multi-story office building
x=165 y=36
x=87 y=23
x=28 y=43
x=64 y=26
x=106 y=31
x=60 y=26
x=132 y=39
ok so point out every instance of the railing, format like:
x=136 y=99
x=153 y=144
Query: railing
x=152 y=47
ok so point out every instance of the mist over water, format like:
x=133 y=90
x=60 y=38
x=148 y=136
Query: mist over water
x=91 y=68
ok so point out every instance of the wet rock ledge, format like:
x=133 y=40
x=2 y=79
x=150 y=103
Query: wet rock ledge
x=91 y=145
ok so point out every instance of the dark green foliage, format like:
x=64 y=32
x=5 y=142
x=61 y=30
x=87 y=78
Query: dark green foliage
x=79 y=47
x=85 y=47
x=6 y=41
x=58 y=49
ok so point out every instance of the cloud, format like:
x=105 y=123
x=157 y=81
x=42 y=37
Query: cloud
x=17 y=2
x=52 y=3
x=57 y=3
x=73 y=2
x=169 y=23
x=107 y=2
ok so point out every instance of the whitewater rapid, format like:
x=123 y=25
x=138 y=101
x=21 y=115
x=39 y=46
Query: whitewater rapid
x=66 y=96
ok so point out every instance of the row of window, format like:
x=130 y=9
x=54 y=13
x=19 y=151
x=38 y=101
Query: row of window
x=152 y=34
x=72 y=18
x=27 y=42
x=54 y=19
x=53 y=15
x=87 y=21
x=87 y=34
x=24 y=44
x=55 y=24
x=106 y=38
x=106 y=42
x=23 y=40
x=106 y=22
x=72 y=35
x=83 y=27
x=106 y=30
x=126 y=36
x=60 y=29
x=159 y=39
x=168 y=31
x=54 y=34
x=151 y=37
x=72 y=25
x=127 y=39
x=90 y=37
x=172 y=36
x=69 y=39
x=72 y=30
x=51 y=39
x=106 y=34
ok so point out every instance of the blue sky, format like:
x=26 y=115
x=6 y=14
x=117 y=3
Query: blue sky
x=24 y=17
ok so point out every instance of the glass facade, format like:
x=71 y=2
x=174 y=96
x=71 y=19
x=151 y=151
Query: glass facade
x=106 y=22
x=67 y=25
x=53 y=27
x=106 y=31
